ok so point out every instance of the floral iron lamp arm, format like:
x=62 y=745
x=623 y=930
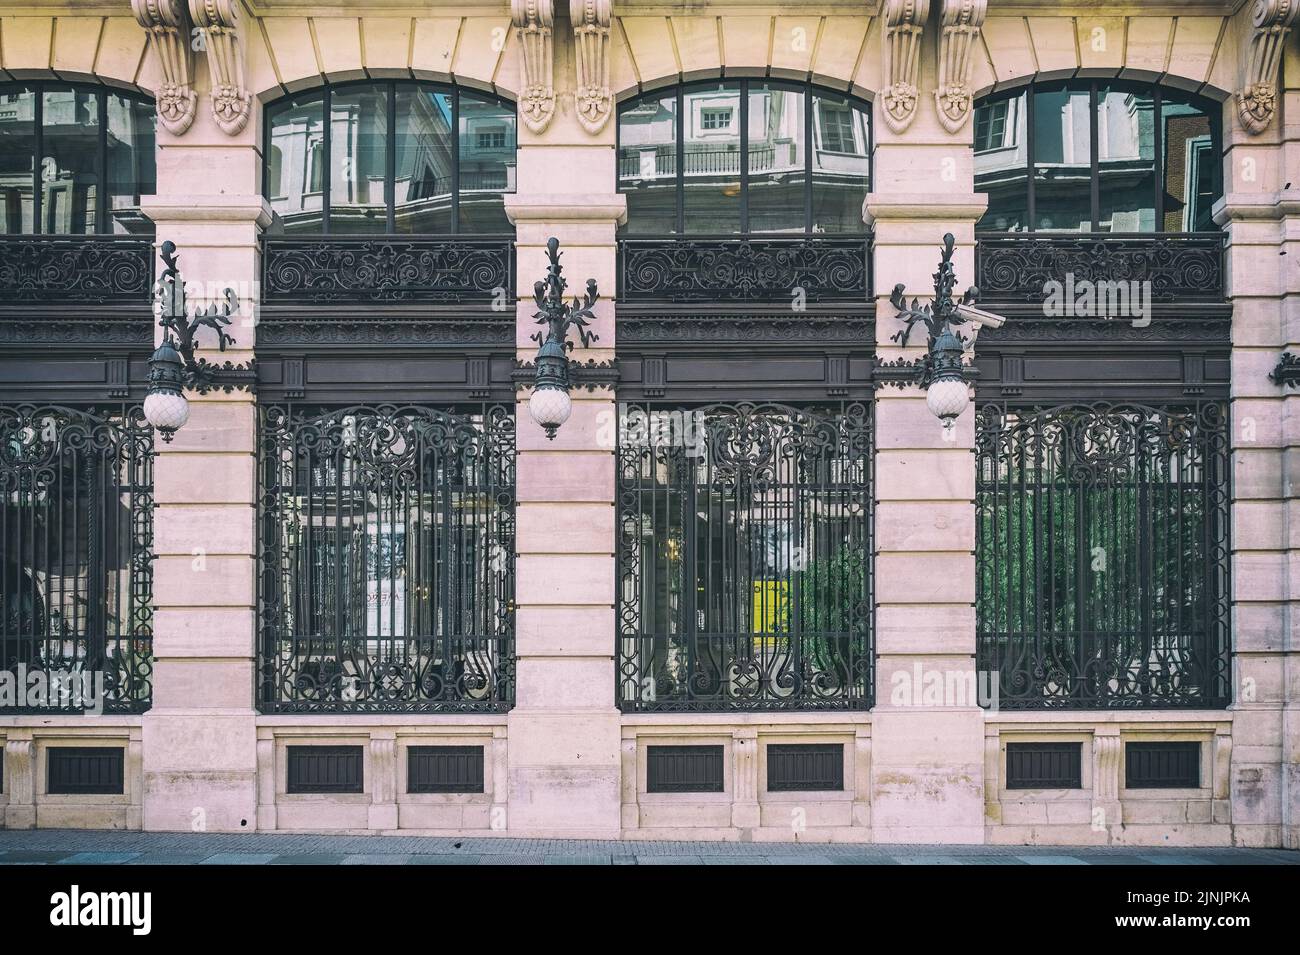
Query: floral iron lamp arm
x=550 y=405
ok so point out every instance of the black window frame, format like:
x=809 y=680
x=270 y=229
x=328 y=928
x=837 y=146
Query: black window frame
x=39 y=88
x=391 y=87
x=743 y=86
x=1093 y=87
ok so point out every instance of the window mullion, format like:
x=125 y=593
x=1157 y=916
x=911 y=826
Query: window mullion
x=390 y=160
x=38 y=139
x=1029 y=159
x=1094 y=163
x=325 y=174
x=101 y=203
x=744 y=157
x=807 y=157
x=455 y=160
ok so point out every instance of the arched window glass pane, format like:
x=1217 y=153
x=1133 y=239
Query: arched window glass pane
x=358 y=160
x=1126 y=156
x=1062 y=161
x=132 y=170
x=1001 y=163
x=425 y=166
x=69 y=170
x=296 y=189
x=647 y=165
x=17 y=152
x=711 y=167
x=1189 y=164
x=841 y=164
x=487 y=164
x=777 y=166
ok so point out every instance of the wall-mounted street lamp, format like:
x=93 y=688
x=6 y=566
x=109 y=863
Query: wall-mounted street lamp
x=549 y=405
x=173 y=367
x=943 y=373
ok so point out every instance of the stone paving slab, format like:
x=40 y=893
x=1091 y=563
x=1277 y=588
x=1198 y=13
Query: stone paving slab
x=78 y=847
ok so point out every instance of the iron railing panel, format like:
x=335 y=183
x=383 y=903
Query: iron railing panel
x=391 y=269
x=745 y=557
x=386 y=559
x=1102 y=555
x=1015 y=268
x=76 y=269
x=791 y=269
x=76 y=555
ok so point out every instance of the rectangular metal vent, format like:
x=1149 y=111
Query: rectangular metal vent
x=1162 y=765
x=84 y=770
x=684 y=769
x=444 y=769
x=805 y=767
x=1044 y=765
x=325 y=769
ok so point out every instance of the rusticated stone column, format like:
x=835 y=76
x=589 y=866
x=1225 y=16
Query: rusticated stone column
x=200 y=747
x=564 y=736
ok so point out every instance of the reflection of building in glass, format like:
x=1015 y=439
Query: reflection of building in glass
x=53 y=142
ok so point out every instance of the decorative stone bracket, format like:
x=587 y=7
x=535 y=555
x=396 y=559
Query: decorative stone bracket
x=962 y=20
x=592 y=97
x=167 y=26
x=1271 y=20
x=904 y=27
x=172 y=26
x=533 y=21
x=219 y=21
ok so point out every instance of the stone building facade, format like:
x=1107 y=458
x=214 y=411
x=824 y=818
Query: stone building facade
x=751 y=588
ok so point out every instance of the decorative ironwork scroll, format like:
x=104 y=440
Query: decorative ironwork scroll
x=745 y=557
x=75 y=270
x=76 y=552
x=386 y=559
x=1102 y=555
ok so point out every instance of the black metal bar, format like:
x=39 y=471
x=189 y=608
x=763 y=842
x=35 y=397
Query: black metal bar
x=1158 y=161
x=38 y=132
x=1093 y=152
x=327 y=173
x=390 y=160
x=808 y=150
x=1031 y=224
x=455 y=160
x=101 y=203
x=744 y=157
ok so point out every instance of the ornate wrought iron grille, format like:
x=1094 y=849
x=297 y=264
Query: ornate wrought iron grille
x=76 y=572
x=1015 y=268
x=745 y=557
x=75 y=270
x=387 y=269
x=1102 y=550
x=729 y=269
x=387 y=559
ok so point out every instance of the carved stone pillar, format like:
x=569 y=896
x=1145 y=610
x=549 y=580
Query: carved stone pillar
x=533 y=21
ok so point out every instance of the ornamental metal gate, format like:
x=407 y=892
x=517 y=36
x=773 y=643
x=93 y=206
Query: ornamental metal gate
x=745 y=557
x=76 y=572
x=1102 y=553
x=386 y=559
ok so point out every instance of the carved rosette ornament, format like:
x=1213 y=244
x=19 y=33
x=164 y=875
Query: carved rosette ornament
x=904 y=26
x=962 y=20
x=592 y=97
x=533 y=20
x=168 y=30
x=219 y=21
x=1271 y=20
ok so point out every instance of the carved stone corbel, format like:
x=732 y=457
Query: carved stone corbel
x=168 y=29
x=533 y=20
x=231 y=102
x=1271 y=20
x=904 y=26
x=592 y=97
x=961 y=24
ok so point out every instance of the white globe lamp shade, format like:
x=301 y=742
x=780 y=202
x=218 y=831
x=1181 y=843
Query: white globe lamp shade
x=167 y=411
x=947 y=398
x=550 y=408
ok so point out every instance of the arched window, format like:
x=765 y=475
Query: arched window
x=74 y=159
x=743 y=157
x=1097 y=156
x=395 y=157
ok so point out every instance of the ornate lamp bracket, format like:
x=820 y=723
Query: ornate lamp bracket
x=533 y=21
x=549 y=404
x=962 y=20
x=168 y=30
x=232 y=103
x=1287 y=372
x=1271 y=20
x=943 y=314
x=904 y=26
x=181 y=330
x=592 y=97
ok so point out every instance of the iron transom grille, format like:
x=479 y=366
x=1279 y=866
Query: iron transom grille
x=76 y=560
x=744 y=557
x=387 y=559
x=1102 y=553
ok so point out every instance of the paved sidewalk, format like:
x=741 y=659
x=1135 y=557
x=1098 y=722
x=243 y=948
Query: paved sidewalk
x=61 y=846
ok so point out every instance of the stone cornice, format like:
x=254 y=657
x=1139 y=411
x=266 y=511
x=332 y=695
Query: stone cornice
x=566 y=208
x=923 y=206
x=200 y=208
